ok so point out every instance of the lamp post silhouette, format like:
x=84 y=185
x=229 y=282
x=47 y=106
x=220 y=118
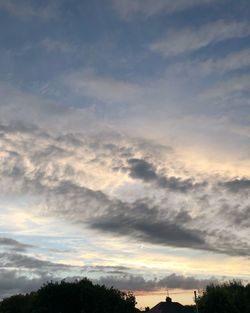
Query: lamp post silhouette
x=195 y=300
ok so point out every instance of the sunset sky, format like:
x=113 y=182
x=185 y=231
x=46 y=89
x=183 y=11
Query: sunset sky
x=125 y=144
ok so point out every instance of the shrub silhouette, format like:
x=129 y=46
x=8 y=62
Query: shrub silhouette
x=71 y=297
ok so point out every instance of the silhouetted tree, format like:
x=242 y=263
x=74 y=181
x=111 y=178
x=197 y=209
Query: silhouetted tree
x=232 y=297
x=71 y=297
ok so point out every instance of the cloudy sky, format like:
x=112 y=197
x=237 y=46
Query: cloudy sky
x=125 y=144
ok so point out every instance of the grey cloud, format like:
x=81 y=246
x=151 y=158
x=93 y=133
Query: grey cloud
x=237 y=185
x=138 y=220
x=242 y=217
x=226 y=242
x=12 y=260
x=14 y=244
x=145 y=223
x=15 y=260
x=139 y=283
x=143 y=170
x=182 y=217
x=11 y=282
x=51 y=176
x=142 y=222
x=189 y=282
x=238 y=214
x=127 y=282
x=106 y=269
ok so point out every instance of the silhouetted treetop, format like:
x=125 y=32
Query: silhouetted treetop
x=71 y=297
x=232 y=297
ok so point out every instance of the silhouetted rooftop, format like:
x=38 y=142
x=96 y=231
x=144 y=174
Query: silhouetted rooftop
x=169 y=307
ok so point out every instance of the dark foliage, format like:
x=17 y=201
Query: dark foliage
x=232 y=297
x=190 y=308
x=71 y=297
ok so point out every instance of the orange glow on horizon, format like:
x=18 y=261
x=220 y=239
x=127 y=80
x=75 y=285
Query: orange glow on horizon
x=151 y=298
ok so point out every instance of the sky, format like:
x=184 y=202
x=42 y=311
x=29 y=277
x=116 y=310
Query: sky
x=125 y=144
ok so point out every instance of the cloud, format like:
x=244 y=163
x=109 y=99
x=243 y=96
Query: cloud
x=139 y=283
x=189 y=39
x=145 y=223
x=200 y=67
x=227 y=89
x=68 y=199
x=53 y=45
x=15 y=282
x=14 y=244
x=141 y=169
x=106 y=269
x=242 y=218
x=37 y=266
x=44 y=113
x=71 y=176
x=21 y=261
x=11 y=282
x=127 y=8
x=237 y=185
x=28 y=9
x=104 y=89
x=232 y=61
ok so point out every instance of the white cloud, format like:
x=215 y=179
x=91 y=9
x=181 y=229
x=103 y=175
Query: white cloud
x=193 y=38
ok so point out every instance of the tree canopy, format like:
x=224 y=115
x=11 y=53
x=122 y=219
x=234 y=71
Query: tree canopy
x=232 y=297
x=71 y=297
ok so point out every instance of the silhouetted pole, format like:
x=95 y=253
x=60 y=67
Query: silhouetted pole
x=195 y=299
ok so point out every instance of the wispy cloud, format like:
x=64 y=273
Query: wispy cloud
x=189 y=39
x=149 y=7
x=86 y=83
x=28 y=9
x=218 y=65
x=232 y=61
x=15 y=260
x=14 y=244
x=53 y=45
x=228 y=88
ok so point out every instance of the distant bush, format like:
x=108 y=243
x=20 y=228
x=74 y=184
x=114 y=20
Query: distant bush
x=232 y=297
x=71 y=297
